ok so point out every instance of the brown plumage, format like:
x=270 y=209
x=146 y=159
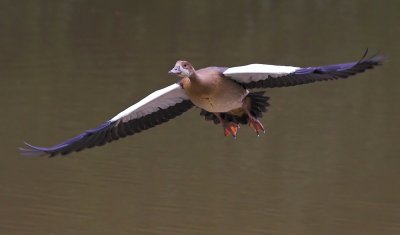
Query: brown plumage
x=226 y=100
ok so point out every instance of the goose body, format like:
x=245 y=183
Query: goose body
x=210 y=90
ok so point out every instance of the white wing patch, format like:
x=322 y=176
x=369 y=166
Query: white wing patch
x=161 y=99
x=257 y=72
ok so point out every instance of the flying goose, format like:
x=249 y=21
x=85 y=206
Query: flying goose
x=223 y=95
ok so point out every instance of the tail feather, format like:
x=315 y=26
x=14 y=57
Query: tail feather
x=258 y=103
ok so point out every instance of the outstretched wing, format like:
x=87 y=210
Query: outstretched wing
x=267 y=76
x=157 y=108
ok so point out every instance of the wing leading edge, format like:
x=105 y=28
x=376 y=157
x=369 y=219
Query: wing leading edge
x=269 y=76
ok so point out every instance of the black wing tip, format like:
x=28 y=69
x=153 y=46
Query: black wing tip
x=63 y=148
x=32 y=151
x=377 y=58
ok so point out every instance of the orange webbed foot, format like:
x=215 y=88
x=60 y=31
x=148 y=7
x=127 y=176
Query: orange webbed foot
x=231 y=128
x=256 y=125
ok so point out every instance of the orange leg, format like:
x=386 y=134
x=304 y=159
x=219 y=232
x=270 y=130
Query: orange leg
x=230 y=128
x=255 y=124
